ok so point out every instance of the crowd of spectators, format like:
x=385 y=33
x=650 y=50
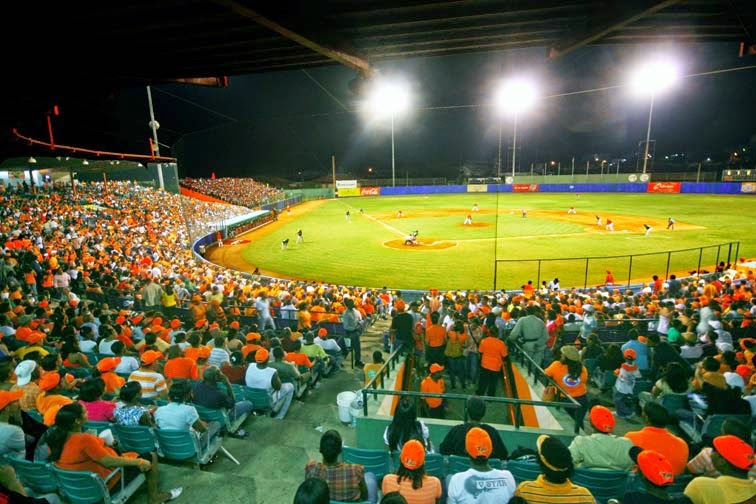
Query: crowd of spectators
x=244 y=192
x=181 y=319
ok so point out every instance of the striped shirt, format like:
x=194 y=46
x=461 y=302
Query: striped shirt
x=542 y=491
x=427 y=494
x=152 y=383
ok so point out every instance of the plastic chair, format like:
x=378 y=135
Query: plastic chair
x=374 y=461
x=523 y=471
x=220 y=416
x=604 y=485
x=96 y=426
x=185 y=445
x=135 y=438
x=673 y=402
x=459 y=463
x=709 y=427
x=84 y=487
x=259 y=398
x=35 y=476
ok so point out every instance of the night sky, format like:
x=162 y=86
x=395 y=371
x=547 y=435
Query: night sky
x=283 y=123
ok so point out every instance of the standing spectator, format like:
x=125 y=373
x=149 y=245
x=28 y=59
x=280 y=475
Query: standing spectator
x=454 y=353
x=402 y=324
x=602 y=450
x=410 y=479
x=481 y=484
x=627 y=374
x=553 y=484
x=434 y=383
x=530 y=331
x=347 y=482
x=352 y=320
x=570 y=374
x=493 y=351
x=264 y=317
x=152 y=294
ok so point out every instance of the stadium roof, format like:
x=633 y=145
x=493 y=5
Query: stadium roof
x=69 y=53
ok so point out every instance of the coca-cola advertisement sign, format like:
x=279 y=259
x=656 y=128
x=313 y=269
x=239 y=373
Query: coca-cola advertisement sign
x=370 y=191
x=524 y=187
x=663 y=187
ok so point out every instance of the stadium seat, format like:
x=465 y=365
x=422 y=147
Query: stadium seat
x=84 y=487
x=523 y=471
x=96 y=426
x=709 y=427
x=35 y=476
x=673 y=402
x=137 y=438
x=259 y=398
x=604 y=485
x=434 y=464
x=375 y=461
x=185 y=445
x=220 y=416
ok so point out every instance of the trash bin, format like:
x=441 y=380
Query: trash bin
x=344 y=402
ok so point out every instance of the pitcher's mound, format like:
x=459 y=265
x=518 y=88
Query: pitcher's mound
x=424 y=244
x=475 y=225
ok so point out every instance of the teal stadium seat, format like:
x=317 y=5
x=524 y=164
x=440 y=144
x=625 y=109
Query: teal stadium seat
x=459 y=463
x=375 y=461
x=35 y=476
x=523 y=471
x=434 y=464
x=84 y=487
x=185 y=445
x=137 y=438
x=604 y=485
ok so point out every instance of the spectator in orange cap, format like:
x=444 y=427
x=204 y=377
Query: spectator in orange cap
x=262 y=376
x=153 y=383
x=627 y=374
x=602 y=449
x=410 y=479
x=113 y=382
x=49 y=401
x=178 y=366
x=480 y=483
x=13 y=437
x=493 y=351
x=434 y=384
x=733 y=458
x=656 y=473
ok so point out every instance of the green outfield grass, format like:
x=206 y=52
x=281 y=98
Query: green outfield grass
x=357 y=253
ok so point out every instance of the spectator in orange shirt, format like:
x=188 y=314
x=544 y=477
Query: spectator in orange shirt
x=179 y=366
x=435 y=340
x=434 y=384
x=113 y=382
x=656 y=437
x=570 y=374
x=303 y=363
x=493 y=351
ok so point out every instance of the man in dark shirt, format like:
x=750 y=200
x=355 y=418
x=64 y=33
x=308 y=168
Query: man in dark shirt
x=662 y=353
x=454 y=442
x=401 y=328
x=209 y=395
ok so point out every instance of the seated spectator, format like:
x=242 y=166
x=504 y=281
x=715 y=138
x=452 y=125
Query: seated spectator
x=316 y=353
x=674 y=380
x=90 y=396
x=732 y=458
x=656 y=437
x=179 y=414
x=106 y=370
x=347 y=482
x=702 y=464
x=313 y=491
x=208 y=393
x=405 y=426
x=481 y=483
x=602 y=450
x=72 y=356
x=261 y=376
x=74 y=450
x=27 y=374
x=153 y=383
x=553 y=484
x=12 y=437
x=178 y=366
x=236 y=371
x=454 y=442
x=410 y=479
x=50 y=400
x=129 y=411
x=656 y=473
x=219 y=355
x=128 y=363
x=303 y=363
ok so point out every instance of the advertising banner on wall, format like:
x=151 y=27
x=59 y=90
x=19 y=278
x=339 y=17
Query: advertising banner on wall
x=524 y=187
x=663 y=187
x=348 y=191
x=370 y=191
x=346 y=184
x=477 y=187
x=748 y=187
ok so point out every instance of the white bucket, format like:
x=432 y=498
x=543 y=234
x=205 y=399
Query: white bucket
x=344 y=401
x=355 y=409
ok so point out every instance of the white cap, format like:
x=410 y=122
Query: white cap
x=24 y=371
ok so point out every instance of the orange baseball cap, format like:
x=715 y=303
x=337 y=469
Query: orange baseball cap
x=204 y=352
x=262 y=355
x=478 y=443
x=44 y=303
x=735 y=451
x=108 y=364
x=234 y=324
x=7 y=397
x=157 y=321
x=214 y=325
x=602 y=418
x=655 y=468
x=322 y=332
x=175 y=323
x=136 y=320
x=643 y=339
x=120 y=320
x=435 y=368
x=630 y=354
x=151 y=356
x=49 y=380
x=413 y=455
x=200 y=323
x=253 y=336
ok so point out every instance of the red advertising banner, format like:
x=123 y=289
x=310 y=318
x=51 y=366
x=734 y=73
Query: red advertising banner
x=370 y=191
x=524 y=187
x=664 y=187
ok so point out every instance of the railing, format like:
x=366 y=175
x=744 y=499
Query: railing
x=585 y=271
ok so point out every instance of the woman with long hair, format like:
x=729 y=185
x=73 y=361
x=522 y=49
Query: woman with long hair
x=90 y=396
x=405 y=426
x=570 y=374
x=129 y=411
x=74 y=450
x=410 y=479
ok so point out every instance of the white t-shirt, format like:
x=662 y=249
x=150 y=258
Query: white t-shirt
x=176 y=416
x=476 y=487
x=260 y=378
x=128 y=365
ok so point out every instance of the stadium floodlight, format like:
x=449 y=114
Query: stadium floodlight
x=389 y=99
x=650 y=79
x=514 y=97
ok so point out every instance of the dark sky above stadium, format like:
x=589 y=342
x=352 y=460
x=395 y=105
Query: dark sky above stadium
x=284 y=123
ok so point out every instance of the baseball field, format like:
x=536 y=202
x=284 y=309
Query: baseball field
x=368 y=247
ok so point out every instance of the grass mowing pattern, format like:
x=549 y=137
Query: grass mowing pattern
x=355 y=252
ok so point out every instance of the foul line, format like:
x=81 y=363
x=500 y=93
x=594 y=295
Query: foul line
x=387 y=226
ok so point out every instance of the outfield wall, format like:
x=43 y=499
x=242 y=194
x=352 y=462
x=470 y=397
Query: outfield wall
x=626 y=187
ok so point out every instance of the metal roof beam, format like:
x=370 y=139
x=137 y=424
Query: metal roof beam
x=342 y=57
x=600 y=31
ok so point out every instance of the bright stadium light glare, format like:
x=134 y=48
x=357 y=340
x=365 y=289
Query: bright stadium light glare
x=654 y=77
x=388 y=99
x=515 y=96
